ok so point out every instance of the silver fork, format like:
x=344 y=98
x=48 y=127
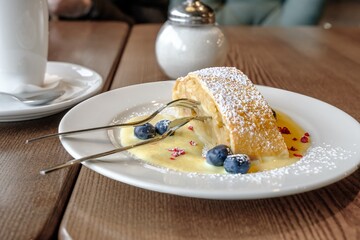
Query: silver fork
x=182 y=102
x=173 y=126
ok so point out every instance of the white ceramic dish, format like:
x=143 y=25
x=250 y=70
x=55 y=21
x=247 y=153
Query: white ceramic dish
x=87 y=82
x=334 y=153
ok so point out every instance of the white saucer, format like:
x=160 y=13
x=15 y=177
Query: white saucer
x=333 y=155
x=89 y=81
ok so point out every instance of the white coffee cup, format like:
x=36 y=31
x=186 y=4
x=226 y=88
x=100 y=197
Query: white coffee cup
x=23 y=43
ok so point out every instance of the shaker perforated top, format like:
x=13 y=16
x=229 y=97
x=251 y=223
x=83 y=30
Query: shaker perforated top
x=192 y=12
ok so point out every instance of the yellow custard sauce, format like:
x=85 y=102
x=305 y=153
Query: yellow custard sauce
x=162 y=153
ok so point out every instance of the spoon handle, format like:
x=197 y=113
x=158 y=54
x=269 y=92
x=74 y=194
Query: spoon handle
x=103 y=154
x=36 y=98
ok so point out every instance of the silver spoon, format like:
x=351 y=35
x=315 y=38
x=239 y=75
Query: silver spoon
x=38 y=99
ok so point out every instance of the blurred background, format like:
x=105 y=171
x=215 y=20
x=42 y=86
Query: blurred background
x=325 y=13
x=341 y=12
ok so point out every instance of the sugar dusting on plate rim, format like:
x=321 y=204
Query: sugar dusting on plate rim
x=316 y=160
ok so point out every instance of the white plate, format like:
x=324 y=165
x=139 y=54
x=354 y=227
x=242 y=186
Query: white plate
x=334 y=153
x=90 y=81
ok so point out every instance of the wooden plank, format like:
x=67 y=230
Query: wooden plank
x=139 y=60
x=31 y=205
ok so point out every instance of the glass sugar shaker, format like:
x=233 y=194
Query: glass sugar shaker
x=190 y=40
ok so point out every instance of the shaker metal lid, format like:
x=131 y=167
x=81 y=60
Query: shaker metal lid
x=192 y=12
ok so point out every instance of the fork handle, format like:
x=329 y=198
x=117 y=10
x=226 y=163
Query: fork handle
x=80 y=131
x=103 y=154
x=135 y=123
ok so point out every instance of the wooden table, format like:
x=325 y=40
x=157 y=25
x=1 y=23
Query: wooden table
x=324 y=64
x=31 y=205
x=321 y=63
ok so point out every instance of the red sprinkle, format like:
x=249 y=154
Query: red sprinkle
x=304 y=139
x=294 y=139
x=307 y=134
x=292 y=149
x=191 y=128
x=298 y=155
x=176 y=152
x=192 y=143
x=172 y=158
x=284 y=130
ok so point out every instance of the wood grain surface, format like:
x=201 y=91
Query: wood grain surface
x=320 y=63
x=31 y=205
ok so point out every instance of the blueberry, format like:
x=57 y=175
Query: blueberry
x=145 y=131
x=162 y=126
x=238 y=163
x=217 y=155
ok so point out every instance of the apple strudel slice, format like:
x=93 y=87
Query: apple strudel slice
x=241 y=117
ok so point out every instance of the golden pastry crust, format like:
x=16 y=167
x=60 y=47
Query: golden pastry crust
x=241 y=118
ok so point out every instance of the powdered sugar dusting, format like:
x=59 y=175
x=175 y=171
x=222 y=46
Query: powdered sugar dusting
x=244 y=110
x=317 y=160
x=142 y=110
x=223 y=84
x=322 y=164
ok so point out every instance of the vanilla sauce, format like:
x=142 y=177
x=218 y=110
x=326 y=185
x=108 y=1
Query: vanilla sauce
x=164 y=153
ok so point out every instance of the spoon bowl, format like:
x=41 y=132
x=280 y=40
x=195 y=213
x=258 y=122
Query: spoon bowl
x=36 y=99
